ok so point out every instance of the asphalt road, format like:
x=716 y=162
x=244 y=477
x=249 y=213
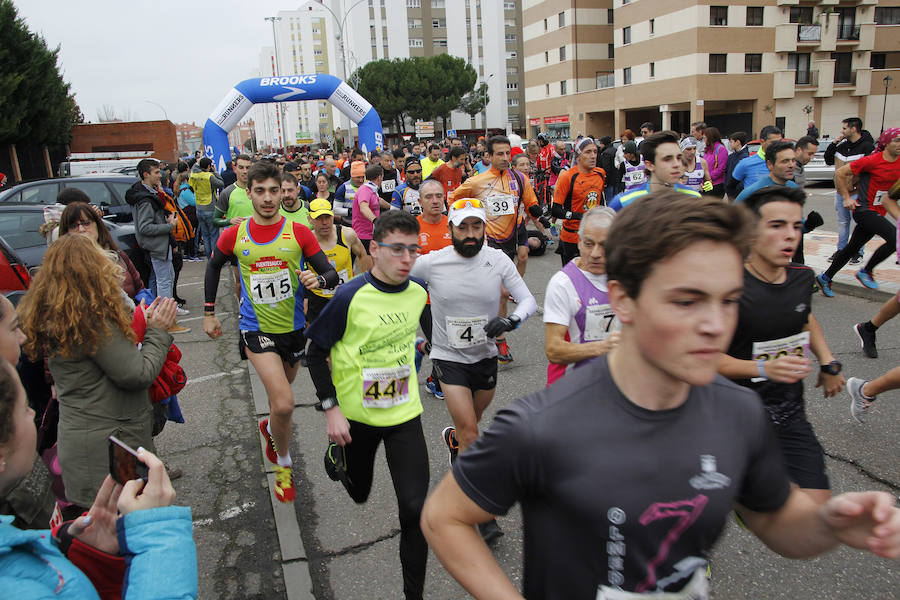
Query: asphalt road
x=351 y=550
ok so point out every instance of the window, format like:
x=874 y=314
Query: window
x=842 y=64
x=887 y=15
x=717 y=63
x=546 y=93
x=317 y=53
x=801 y=14
x=626 y=35
x=562 y=19
x=509 y=22
x=414 y=23
x=562 y=87
x=753 y=63
x=562 y=54
x=611 y=50
x=437 y=3
x=509 y=6
x=605 y=80
x=512 y=70
x=626 y=76
x=609 y=16
x=546 y=58
x=316 y=30
x=512 y=101
x=511 y=54
x=800 y=64
x=878 y=60
x=435 y=23
x=754 y=16
x=416 y=43
x=545 y=24
x=510 y=38
x=440 y=42
x=512 y=86
x=718 y=15
x=413 y=3
x=652 y=70
x=652 y=26
x=323 y=115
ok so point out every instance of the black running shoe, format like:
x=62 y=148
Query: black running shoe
x=335 y=462
x=490 y=532
x=449 y=437
x=866 y=340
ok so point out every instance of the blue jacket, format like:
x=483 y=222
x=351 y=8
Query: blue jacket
x=759 y=184
x=751 y=169
x=157 y=545
x=733 y=186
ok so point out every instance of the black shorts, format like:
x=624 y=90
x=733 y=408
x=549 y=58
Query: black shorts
x=289 y=346
x=521 y=234
x=476 y=376
x=803 y=454
x=315 y=304
x=509 y=247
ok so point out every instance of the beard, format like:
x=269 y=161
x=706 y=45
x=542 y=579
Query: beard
x=465 y=250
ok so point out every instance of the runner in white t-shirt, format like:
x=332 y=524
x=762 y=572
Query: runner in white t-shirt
x=579 y=323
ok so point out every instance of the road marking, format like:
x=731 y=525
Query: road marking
x=213 y=376
x=228 y=513
x=221 y=314
x=190 y=283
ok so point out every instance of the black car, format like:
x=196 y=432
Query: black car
x=106 y=190
x=19 y=225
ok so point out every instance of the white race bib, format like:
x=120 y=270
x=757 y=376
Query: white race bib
x=634 y=177
x=696 y=589
x=794 y=345
x=388 y=185
x=384 y=387
x=465 y=332
x=270 y=288
x=501 y=205
x=599 y=322
x=342 y=278
x=879 y=198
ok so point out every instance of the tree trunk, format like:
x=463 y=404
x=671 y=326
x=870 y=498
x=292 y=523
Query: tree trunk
x=14 y=161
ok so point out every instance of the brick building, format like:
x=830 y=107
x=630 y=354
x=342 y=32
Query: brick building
x=156 y=136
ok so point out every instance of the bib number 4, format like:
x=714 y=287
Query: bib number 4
x=465 y=332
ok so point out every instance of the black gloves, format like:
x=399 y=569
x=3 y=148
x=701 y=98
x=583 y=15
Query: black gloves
x=813 y=220
x=499 y=325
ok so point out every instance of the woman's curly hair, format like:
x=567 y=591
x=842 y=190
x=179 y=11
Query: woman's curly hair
x=73 y=301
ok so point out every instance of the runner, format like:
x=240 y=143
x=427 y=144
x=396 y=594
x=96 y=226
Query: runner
x=501 y=190
x=340 y=245
x=233 y=206
x=292 y=207
x=696 y=171
x=450 y=174
x=434 y=234
x=271 y=319
x=776 y=330
x=367 y=205
x=664 y=169
x=406 y=195
x=432 y=161
x=877 y=173
x=579 y=324
x=631 y=173
x=484 y=164
x=682 y=446
x=578 y=190
x=780 y=162
x=465 y=282
x=369 y=329
x=524 y=165
x=749 y=169
x=343 y=197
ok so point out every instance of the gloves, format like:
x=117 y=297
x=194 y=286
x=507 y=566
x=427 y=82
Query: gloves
x=707 y=186
x=499 y=325
x=813 y=220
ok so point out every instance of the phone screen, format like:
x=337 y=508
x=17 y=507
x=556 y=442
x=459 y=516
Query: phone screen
x=124 y=465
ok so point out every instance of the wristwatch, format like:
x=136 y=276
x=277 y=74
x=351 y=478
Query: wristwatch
x=321 y=280
x=327 y=403
x=832 y=368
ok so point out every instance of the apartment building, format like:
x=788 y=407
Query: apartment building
x=487 y=33
x=597 y=67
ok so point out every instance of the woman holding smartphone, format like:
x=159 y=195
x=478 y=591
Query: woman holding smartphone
x=74 y=314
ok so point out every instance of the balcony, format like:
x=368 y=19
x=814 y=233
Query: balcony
x=809 y=34
x=786 y=35
x=847 y=34
x=606 y=81
x=845 y=79
x=808 y=78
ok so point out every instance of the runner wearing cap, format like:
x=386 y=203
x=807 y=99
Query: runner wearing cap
x=696 y=171
x=465 y=282
x=631 y=171
x=340 y=245
x=664 y=169
x=406 y=195
x=578 y=190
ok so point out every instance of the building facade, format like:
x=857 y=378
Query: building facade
x=597 y=67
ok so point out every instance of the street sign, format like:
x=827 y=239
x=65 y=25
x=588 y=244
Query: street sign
x=451 y=133
x=425 y=129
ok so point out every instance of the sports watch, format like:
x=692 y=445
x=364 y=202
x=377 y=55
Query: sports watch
x=832 y=368
x=327 y=403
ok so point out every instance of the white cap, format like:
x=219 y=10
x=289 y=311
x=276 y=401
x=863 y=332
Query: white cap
x=468 y=207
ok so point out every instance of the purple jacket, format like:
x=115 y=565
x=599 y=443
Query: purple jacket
x=717 y=159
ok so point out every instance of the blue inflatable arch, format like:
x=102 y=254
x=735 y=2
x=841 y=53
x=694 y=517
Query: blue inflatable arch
x=288 y=88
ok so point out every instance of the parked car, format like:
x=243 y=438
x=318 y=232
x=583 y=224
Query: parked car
x=19 y=225
x=817 y=170
x=14 y=276
x=106 y=190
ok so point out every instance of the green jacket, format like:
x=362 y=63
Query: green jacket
x=102 y=395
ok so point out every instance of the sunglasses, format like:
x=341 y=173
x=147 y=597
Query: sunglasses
x=462 y=202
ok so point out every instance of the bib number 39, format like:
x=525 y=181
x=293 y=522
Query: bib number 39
x=501 y=205
x=385 y=387
x=270 y=288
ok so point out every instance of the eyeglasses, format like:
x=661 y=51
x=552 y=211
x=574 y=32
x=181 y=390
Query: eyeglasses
x=462 y=202
x=397 y=249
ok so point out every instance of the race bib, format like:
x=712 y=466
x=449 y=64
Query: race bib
x=270 y=288
x=500 y=205
x=795 y=345
x=384 y=387
x=342 y=278
x=634 y=177
x=388 y=185
x=879 y=198
x=696 y=589
x=599 y=322
x=465 y=332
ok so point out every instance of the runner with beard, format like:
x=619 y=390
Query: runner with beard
x=406 y=195
x=465 y=282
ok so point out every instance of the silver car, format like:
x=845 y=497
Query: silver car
x=817 y=170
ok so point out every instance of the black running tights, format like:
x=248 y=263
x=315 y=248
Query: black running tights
x=868 y=225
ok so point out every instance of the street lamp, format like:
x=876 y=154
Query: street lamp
x=887 y=82
x=159 y=105
x=278 y=108
x=485 y=96
x=340 y=23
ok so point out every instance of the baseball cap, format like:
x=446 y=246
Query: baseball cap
x=689 y=142
x=320 y=207
x=464 y=208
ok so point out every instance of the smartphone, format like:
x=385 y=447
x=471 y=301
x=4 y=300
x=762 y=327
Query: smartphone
x=124 y=465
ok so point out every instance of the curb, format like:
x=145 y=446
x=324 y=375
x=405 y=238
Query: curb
x=859 y=291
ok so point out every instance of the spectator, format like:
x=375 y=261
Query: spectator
x=813 y=131
x=717 y=158
x=806 y=148
x=153 y=227
x=697 y=129
x=739 y=151
x=228 y=176
x=74 y=313
x=187 y=201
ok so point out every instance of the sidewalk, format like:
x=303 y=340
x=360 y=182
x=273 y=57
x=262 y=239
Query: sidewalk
x=819 y=245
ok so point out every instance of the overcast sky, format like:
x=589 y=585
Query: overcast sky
x=184 y=55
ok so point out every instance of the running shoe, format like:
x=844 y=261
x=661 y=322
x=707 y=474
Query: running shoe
x=856 y=260
x=449 y=437
x=176 y=328
x=825 y=285
x=859 y=404
x=831 y=258
x=490 y=531
x=866 y=279
x=182 y=312
x=336 y=463
x=419 y=355
x=271 y=450
x=431 y=386
x=504 y=356
x=284 y=484
x=866 y=340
